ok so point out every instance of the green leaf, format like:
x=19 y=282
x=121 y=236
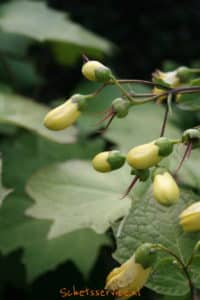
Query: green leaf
x=142 y=125
x=171 y=282
x=190 y=102
x=75 y=196
x=148 y=221
x=24 y=73
x=43 y=24
x=3 y=191
x=39 y=253
x=27 y=152
x=13 y=45
x=24 y=112
x=194 y=270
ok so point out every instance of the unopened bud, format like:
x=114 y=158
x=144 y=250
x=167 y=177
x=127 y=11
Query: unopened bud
x=96 y=71
x=108 y=161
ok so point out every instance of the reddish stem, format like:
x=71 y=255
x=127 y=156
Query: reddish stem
x=133 y=182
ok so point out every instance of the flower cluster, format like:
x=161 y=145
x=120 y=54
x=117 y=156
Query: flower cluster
x=145 y=160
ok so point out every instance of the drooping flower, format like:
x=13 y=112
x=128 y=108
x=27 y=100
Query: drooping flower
x=65 y=114
x=165 y=189
x=190 y=218
x=132 y=275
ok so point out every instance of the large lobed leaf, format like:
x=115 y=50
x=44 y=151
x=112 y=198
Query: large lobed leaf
x=149 y=221
x=75 y=196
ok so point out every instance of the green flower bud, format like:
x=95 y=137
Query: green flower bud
x=184 y=74
x=190 y=218
x=165 y=146
x=146 y=255
x=108 y=161
x=165 y=189
x=121 y=107
x=144 y=156
x=191 y=135
x=80 y=100
x=62 y=116
x=96 y=71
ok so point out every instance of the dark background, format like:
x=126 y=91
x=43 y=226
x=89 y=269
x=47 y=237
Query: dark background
x=147 y=33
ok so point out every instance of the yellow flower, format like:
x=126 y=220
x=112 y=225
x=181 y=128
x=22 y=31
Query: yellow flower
x=169 y=78
x=144 y=156
x=95 y=71
x=132 y=275
x=190 y=218
x=156 y=91
x=62 y=116
x=165 y=189
x=108 y=161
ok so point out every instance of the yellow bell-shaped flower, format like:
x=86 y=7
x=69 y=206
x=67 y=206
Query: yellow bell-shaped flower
x=144 y=156
x=190 y=218
x=62 y=116
x=165 y=189
x=132 y=275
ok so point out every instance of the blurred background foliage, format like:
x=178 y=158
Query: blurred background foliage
x=41 y=43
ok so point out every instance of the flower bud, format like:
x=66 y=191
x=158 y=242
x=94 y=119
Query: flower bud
x=165 y=146
x=168 y=79
x=96 y=71
x=165 y=189
x=108 y=161
x=190 y=218
x=191 y=135
x=144 y=156
x=132 y=275
x=121 y=107
x=65 y=114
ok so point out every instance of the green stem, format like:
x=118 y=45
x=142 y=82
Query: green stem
x=183 y=267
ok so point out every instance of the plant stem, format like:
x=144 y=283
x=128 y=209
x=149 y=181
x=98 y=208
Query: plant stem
x=164 y=121
x=184 y=269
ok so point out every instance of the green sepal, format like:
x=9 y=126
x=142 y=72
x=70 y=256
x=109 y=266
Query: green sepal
x=121 y=107
x=185 y=74
x=103 y=74
x=191 y=135
x=165 y=146
x=116 y=159
x=142 y=174
x=146 y=255
x=158 y=171
x=80 y=100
